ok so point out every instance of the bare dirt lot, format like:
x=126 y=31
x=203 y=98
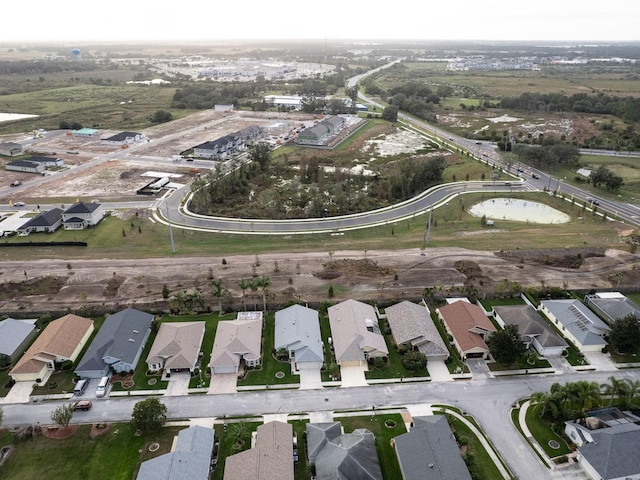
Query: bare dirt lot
x=102 y=285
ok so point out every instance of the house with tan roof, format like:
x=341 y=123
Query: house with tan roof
x=270 y=458
x=469 y=326
x=238 y=343
x=62 y=339
x=176 y=346
x=411 y=324
x=355 y=332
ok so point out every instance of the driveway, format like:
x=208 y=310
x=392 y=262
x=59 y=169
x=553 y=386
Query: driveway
x=353 y=376
x=310 y=378
x=438 y=371
x=601 y=361
x=223 y=383
x=178 y=384
x=560 y=364
x=19 y=393
x=478 y=368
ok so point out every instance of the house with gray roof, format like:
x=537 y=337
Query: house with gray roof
x=118 y=345
x=429 y=451
x=577 y=323
x=321 y=132
x=45 y=222
x=10 y=149
x=338 y=456
x=47 y=161
x=176 y=346
x=15 y=336
x=411 y=324
x=355 y=333
x=534 y=330
x=82 y=215
x=189 y=459
x=608 y=442
x=25 y=166
x=237 y=344
x=270 y=458
x=123 y=138
x=297 y=331
x=612 y=306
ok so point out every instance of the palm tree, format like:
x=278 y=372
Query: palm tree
x=243 y=284
x=586 y=395
x=254 y=285
x=218 y=292
x=633 y=389
x=614 y=389
x=264 y=283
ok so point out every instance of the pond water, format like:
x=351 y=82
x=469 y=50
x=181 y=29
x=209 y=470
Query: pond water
x=7 y=117
x=518 y=210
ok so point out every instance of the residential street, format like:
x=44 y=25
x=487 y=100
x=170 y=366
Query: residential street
x=487 y=399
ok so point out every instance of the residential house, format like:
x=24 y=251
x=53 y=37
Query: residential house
x=82 y=215
x=608 y=442
x=176 y=346
x=123 y=138
x=321 y=132
x=62 y=339
x=577 y=323
x=25 y=166
x=612 y=306
x=15 y=336
x=469 y=326
x=189 y=459
x=218 y=149
x=118 y=344
x=270 y=458
x=297 y=331
x=534 y=330
x=10 y=149
x=47 y=161
x=85 y=132
x=237 y=344
x=411 y=324
x=46 y=222
x=355 y=333
x=336 y=455
x=429 y=451
x=250 y=134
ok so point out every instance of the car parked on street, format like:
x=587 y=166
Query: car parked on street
x=82 y=405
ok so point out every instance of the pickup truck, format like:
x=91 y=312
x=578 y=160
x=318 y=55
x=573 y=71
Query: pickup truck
x=16 y=183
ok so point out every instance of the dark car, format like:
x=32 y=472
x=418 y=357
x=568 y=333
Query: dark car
x=82 y=405
x=535 y=175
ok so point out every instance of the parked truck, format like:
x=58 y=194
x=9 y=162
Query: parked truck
x=16 y=183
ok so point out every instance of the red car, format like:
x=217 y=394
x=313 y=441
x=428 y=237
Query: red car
x=82 y=405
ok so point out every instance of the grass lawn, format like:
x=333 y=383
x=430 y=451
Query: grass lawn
x=4 y=381
x=383 y=435
x=574 y=357
x=543 y=433
x=483 y=465
x=110 y=456
x=454 y=363
x=266 y=374
x=521 y=364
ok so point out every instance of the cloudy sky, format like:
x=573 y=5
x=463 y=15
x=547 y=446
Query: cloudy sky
x=120 y=20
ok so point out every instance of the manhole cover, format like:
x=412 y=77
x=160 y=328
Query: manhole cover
x=553 y=444
x=279 y=374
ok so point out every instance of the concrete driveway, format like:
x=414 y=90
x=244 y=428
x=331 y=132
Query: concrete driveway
x=178 y=384
x=601 y=361
x=438 y=371
x=223 y=383
x=310 y=378
x=19 y=393
x=353 y=376
x=478 y=368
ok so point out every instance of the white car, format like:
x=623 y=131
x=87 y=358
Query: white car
x=19 y=204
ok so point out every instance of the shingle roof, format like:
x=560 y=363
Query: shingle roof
x=45 y=219
x=82 y=207
x=13 y=332
x=614 y=452
x=236 y=339
x=60 y=338
x=411 y=323
x=614 y=307
x=189 y=460
x=122 y=136
x=177 y=345
x=270 y=459
x=354 y=330
x=463 y=317
x=581 y=322
x=298 y=328
x=121 y=336
x=530 y=324
x=430 y=452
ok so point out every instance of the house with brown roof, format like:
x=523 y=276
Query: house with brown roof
x=469 y=326
x=411 y=324
x=270 y=458
x=62 y=339
x=355 y=332
x=176 y=346
x=237 y=343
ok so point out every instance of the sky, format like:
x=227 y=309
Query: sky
x=329 y=20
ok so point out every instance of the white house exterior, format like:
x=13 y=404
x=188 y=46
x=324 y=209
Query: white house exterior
x=25 y=166
x=82 y=215
x=10 y=149
x=577 y=323
x=123 y=138
x=45 y=222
